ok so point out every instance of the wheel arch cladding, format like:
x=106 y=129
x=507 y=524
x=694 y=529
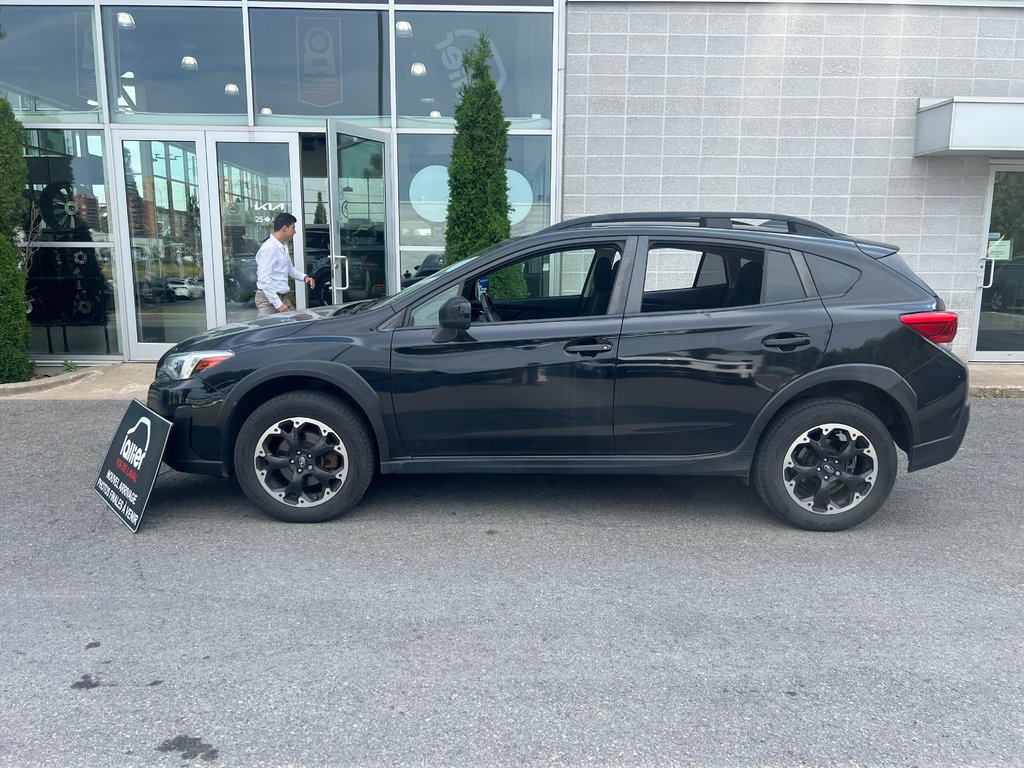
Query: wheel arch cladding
x=327 y=377
x=878 y=389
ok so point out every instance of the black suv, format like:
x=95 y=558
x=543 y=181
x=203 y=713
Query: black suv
x=756 y=346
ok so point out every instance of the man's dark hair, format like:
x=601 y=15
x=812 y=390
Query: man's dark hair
x=283 y=220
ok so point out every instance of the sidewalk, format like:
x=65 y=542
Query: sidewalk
x=124 y=381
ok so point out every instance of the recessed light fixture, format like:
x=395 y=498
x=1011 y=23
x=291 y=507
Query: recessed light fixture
x=125 y=20
x=230 y=89
x=403 y=29
x=435 y=113
x=189 y=63
x=418 y=69
x=266 y=111
x=427 y=99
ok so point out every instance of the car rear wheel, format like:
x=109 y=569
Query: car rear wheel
x=304 y=457
x=825 y=465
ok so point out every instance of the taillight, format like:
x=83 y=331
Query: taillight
x=939 y=327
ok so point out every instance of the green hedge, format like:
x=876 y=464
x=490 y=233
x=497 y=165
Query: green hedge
x=15 y=364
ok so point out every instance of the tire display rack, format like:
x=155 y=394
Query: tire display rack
x=65 y=287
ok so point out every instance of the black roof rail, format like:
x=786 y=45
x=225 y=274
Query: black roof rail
x=718 y=220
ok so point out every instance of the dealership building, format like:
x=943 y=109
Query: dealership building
x=163 y=137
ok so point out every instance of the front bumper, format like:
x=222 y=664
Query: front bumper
x=194 y=444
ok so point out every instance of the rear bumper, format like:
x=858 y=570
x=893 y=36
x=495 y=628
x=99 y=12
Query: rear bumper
x=937 y=451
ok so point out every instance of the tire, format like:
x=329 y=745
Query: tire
x=821 y=437
x=996 y=300
x=328 y=434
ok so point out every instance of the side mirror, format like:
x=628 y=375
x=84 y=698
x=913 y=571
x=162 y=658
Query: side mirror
x=452 y=319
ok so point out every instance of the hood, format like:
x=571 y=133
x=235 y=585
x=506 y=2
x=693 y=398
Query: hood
x=261 y=328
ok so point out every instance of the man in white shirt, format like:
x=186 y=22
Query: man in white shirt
x=274 y=267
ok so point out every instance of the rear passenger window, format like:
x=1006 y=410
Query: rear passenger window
x=830 y=277
x=781 y=280
x=681 y=278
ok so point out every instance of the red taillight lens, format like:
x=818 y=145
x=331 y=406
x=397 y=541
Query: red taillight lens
x=939 y=327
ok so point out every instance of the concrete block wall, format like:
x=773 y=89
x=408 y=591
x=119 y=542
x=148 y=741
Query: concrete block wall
x=802 y=109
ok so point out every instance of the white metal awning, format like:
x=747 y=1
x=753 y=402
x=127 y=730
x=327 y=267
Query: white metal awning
x=963 y=127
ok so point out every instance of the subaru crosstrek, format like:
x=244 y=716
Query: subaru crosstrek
x=757 y=346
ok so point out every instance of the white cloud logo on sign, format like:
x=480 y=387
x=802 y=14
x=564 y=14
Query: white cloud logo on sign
x=428 y=194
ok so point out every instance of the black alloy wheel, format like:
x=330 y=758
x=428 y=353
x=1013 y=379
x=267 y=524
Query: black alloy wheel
x=304 y=457
x=825 y=465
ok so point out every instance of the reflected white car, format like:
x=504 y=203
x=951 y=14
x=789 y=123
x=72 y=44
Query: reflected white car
x=186 y=288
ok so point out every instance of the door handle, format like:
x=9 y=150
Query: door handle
x=587 y=347
x=786 y=342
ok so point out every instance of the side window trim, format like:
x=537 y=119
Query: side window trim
x=804 y=272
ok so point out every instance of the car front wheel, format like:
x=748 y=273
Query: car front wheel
x=825 y=465
x=304 y=457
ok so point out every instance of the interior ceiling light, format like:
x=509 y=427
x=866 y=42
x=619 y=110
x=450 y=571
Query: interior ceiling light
x=418 y=69
x=266 y=111
x=403 y=29
x=427 y=99
x=230 y=89
x=129 y=75
x=435 y=113
x=125 y=20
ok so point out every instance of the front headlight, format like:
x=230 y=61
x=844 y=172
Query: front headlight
x=185 y=365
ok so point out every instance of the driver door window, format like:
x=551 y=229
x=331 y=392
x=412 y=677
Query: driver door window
x=560 y=284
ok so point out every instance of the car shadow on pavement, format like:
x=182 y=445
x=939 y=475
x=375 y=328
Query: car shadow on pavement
x=425 y=498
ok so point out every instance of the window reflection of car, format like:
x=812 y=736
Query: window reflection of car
x=153 y=289
x=185 y=288
x=431 y=264
x=1007 y=291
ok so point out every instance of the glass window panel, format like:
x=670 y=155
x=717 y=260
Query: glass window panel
x=320 y=62
x=423 y=186
x=48 y=61
x=71 y=301
x=67 y=182
x=255 y=185
x=1001 y=323
x=428 y=62
x=175 y=60
x=164 y=227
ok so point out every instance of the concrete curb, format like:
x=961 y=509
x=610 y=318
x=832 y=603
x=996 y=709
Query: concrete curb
x=997 y=391
x=40 y=385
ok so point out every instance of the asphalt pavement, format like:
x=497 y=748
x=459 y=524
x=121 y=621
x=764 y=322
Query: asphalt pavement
x=506 y=621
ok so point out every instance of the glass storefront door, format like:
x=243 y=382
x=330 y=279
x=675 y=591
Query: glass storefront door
x=165 y=243
x=361 y=216
x=253 y=179
x=1000 y=304
x=197 y=207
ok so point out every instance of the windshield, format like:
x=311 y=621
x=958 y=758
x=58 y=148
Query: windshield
x=426 y=283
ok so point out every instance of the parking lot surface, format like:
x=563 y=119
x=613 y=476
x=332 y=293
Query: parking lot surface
x=506 y=620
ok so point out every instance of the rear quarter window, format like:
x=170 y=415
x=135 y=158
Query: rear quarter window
x=831 y=278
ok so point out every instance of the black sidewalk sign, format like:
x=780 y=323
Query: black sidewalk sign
x=132 y=463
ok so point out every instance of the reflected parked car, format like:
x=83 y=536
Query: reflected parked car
x=185 y=288
x=434 y=262
x=1007 y=291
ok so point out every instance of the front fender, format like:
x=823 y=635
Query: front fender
x=334 y=374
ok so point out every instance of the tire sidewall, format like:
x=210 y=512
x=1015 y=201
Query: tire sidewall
x=340 y=418
x=796 y=421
